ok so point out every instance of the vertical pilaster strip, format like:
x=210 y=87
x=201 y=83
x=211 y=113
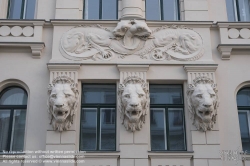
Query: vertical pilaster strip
x=132 y=9
x=69 y=9
x=64 y=70
x=4 y=9
x=65 y=140
x=206 y=145
x=137 y=141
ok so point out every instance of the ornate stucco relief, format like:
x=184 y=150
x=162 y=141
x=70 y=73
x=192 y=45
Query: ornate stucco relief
x=203 y=102
x=62 y=102
x=132 y=37
x=133 y=100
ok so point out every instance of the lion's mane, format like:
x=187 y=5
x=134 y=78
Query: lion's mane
x=145 y=108
x=69 y=120
x=197 y=121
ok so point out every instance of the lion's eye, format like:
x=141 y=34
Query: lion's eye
x=212 y=95
x=127 y=96
x=67 y=95
x=199 y=95
x=54 y=95
x=140 y=95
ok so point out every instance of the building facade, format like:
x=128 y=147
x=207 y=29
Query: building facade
x=124 y=82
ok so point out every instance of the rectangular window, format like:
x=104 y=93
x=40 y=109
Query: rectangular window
x=162 y=10
x=98 y=117
x=167 y=125
x=21 y=9
x=238 y=10
x=100 y=9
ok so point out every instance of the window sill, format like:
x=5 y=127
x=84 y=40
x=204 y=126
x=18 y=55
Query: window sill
x=170 y=154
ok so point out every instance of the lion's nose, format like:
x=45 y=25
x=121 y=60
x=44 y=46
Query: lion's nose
x=207 y=105
x=59 y=105
x=133 y=105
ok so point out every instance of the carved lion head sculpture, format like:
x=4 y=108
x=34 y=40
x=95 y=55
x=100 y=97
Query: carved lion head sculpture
x=134 y=102
x=203 y=103
x=62 y=102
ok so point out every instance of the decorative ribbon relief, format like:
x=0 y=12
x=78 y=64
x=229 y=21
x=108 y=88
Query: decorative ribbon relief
x=132 y=37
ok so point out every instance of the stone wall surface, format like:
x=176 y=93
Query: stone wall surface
x=59 y=43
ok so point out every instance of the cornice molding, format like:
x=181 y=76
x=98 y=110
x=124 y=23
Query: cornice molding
x=200 y=68
x=137 y=68
x=36 y=47
x=19 y=22
x=63 y=22
x=62 y=67
x=233 y=24
x=226 y=49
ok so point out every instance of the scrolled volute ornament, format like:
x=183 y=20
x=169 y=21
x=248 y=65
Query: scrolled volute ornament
x=133 y=102
x=203 y=103
x=62 y=102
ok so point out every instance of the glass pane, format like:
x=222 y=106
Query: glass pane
x=105 y=94
x=4 y=129
x=30 y=9
x=15 y=9
x=176 y=129
x=14 y=96
x=243 y=10
x=18 y=130
x=170 y=10
x=153 y=11
x=109 y=9
x=88 y=128
x=165 y=94
x=231 y=10
x=91 y=10
x=158 y=129
x=243 y=97
x=107 y=126
x=244 y=130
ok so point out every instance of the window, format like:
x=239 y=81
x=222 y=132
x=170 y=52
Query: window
x=98 y=117
x=21 y=9
x=167 y=118
x=243 y=102
x=13 y=105
x=238 y=10
x=162 y=10
x=100 y=9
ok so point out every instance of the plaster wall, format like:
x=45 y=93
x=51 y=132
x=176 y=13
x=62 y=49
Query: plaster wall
x=19 y=67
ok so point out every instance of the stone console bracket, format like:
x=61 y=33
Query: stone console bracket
x=226 y=49
x=36 y=47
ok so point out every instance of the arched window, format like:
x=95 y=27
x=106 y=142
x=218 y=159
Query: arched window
x=243 y=103
x=13 y=105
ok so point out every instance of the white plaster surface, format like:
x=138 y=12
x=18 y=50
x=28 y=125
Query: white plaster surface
x=198 y=137
x=17 y=64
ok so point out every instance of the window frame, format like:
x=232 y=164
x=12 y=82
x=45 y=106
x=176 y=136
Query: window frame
x=12 y=109
x=23 y=9
x=98 y=106
x=100 y=11
x=244 y=109
x=162 y=9
x=166 y=107
x=237 y=12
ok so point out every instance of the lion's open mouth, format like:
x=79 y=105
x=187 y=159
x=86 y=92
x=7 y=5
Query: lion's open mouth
x=206 y=113
x=134 y=113
x=61 y=113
